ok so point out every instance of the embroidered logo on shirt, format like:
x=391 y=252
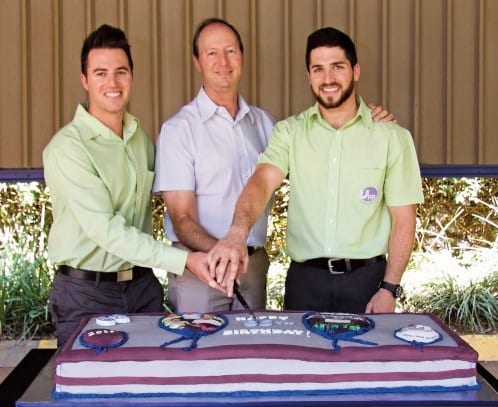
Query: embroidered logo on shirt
x=369 y=195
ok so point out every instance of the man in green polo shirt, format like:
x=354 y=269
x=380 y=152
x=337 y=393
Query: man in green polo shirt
x=99 y=169
x=354 y=186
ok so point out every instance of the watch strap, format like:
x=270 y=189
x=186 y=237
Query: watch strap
x=395 y=289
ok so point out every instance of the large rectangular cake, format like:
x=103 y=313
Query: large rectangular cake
x=281 y=353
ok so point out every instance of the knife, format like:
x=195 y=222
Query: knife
x=243 y=301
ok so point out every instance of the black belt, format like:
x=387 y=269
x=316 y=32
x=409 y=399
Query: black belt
x=118 y=276
x=251 y=250
x=341 y=266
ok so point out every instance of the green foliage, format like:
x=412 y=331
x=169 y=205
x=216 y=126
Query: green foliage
x=276 y=285
x=25 y=283
x=158 y=217
x=25 y=272
x=472 y=307
x=453 y=270
x=457 y=213
x=277 y=225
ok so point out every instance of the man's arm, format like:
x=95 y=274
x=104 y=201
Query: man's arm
x=401 y=240
x=229 y=257
x=182 y=209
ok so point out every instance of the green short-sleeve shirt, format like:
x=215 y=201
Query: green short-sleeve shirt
x=342 y=182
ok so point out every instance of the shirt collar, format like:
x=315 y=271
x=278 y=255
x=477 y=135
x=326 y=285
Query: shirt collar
x=207 y=108
x=363 y=114
x=130 y=124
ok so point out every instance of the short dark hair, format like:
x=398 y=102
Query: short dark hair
x=331 y=37
x=210 y=21
x=105 y=37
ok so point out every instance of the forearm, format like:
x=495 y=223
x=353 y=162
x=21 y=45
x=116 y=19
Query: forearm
x=192 y=235
x=182 y=210
x=400 y=245
x=229 y=256
x=250 y=206
x=399 y=251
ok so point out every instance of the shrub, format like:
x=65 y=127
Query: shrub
x=25 y=272
x=462 y=292
x=453 y=270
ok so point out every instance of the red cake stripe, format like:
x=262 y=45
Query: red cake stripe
x=347 y=354
x=262 y=378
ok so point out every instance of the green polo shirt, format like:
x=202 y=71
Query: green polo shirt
x=342 y=182
x=100 y=186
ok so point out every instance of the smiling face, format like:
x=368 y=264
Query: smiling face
x=331 y=77
x=108 y=82
x=220 y=59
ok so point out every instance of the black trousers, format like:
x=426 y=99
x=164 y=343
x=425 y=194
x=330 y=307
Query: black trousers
x=72 y=299
x=310 y=288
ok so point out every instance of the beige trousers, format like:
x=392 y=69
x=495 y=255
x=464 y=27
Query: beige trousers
x=187 y=294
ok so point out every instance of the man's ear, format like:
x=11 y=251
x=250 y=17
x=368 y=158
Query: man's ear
x=195 y=60
x=83 y=81
x=356 y=72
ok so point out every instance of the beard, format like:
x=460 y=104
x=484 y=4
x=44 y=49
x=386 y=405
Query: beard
x=331 y=104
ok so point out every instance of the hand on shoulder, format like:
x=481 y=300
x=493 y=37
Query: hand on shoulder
x=379 y=114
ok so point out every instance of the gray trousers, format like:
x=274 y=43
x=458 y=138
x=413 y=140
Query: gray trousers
x=187 y=294
x=72 y=299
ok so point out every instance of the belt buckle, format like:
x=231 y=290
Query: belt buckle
x=331 y=267
x=125 y=275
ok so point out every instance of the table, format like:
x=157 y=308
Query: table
x=39 y=394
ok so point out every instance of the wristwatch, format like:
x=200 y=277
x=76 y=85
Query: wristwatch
x=395 y=289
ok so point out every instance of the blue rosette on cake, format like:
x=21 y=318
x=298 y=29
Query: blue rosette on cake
x=339 y=327
x=191 y=326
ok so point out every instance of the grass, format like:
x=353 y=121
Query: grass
x=463 y=294
x=25 y=282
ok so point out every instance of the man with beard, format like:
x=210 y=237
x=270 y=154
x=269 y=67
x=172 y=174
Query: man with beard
x=354 y=185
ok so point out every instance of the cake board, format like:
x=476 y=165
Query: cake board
x=39 y=394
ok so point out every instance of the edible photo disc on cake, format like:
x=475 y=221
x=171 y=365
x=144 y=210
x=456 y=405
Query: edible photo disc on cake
x=418 y=335
x=102 y=339
x=192 y=325
x=338 y=326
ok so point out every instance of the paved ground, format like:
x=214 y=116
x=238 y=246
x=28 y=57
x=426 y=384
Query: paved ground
x=12 y=352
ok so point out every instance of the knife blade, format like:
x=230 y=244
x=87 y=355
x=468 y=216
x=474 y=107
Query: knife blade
x=244 y=303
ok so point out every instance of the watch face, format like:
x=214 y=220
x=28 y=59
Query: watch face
x=398 y=291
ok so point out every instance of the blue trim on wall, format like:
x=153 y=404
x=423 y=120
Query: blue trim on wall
x=456 y=170
x=428 y=171
x=21 y=175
